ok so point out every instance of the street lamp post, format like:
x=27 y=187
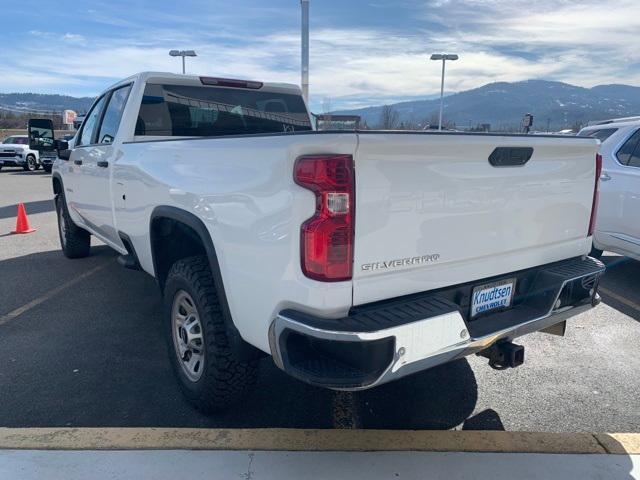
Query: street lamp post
x=182 y=53
x=304 y=29
x=444 y=57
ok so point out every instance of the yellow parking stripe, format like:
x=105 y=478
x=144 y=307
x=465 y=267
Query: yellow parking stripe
x=316 y=440
x=47 y=295
x=620 y=443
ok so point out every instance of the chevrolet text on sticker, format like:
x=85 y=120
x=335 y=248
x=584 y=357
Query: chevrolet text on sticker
x=490 y=297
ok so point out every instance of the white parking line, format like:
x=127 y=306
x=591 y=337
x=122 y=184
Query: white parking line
x=47 y=295
x=619 y=298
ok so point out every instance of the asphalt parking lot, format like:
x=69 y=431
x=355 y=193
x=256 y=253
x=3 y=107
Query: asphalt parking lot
x=81 y=345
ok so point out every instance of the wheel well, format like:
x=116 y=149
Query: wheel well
x=57 y=186
x=177 y=234
x=172 y=240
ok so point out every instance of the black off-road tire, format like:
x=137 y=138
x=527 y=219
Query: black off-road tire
x=75 y=241
x=224 y=380
x=31 y=164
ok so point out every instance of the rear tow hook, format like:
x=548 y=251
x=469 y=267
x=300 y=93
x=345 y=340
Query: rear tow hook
x=503 y=355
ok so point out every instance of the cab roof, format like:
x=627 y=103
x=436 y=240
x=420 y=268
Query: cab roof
x=195 y=80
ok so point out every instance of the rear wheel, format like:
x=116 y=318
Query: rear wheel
x=75 y=241
x=202 y=357
x=31 y=165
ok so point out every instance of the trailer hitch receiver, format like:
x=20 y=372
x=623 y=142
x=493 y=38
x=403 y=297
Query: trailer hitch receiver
x=503 y=355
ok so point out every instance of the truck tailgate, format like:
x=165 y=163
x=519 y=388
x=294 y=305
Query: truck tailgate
x=431 y=211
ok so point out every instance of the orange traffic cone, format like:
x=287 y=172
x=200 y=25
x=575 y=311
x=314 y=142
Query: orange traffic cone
x=22 y=222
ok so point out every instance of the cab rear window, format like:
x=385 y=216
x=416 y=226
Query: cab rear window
x=203 y=111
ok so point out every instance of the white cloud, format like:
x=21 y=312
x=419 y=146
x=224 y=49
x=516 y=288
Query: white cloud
x=73 y=37
x=584 y=43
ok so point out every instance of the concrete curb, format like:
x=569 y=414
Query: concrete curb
x=278 y=439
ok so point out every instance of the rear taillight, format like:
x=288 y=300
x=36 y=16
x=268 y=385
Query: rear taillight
x=596 y=196
x=326 y=239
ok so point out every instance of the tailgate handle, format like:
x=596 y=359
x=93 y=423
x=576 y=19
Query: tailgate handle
x=510 y=156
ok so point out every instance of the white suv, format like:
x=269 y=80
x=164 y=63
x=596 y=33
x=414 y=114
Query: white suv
x=618 y=220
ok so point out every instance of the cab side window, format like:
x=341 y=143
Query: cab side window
x=90 y=123
x=634 y=159
x=626 y=151
x=630 y=151
x=113 y=114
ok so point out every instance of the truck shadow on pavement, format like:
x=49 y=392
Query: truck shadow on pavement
x=94 y=355
x=619 y=287
x=20 y=171
x=40 y=206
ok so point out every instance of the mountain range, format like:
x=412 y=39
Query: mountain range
x=42 y=102
x=554 y=105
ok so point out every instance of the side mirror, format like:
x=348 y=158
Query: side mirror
x=41 y=134
x=62 y=146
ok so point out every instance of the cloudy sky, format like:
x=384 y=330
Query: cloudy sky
x=362 y=51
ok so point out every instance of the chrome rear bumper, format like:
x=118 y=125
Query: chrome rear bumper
x=381 y=343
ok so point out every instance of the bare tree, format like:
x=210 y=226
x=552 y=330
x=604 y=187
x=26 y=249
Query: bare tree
x=388 y=118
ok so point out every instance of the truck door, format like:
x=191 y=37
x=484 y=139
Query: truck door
x=72 y=169
x=95 y=158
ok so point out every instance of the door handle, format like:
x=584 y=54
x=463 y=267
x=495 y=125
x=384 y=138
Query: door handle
x=102 y=163
x=605 y=177
x=78 y=162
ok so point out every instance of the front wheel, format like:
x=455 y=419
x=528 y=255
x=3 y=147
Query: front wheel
x=209 y=375
x=31 y=165
x=75 y=241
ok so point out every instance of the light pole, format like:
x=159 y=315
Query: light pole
x=304 y=71
x=182 y=53
x=444 y=57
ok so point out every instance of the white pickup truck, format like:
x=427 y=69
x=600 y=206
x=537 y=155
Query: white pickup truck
x=352 y=258
x=15 y=152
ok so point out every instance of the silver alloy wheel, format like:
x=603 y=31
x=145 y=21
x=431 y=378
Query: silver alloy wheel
x=188 y=339
x=62 y=226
